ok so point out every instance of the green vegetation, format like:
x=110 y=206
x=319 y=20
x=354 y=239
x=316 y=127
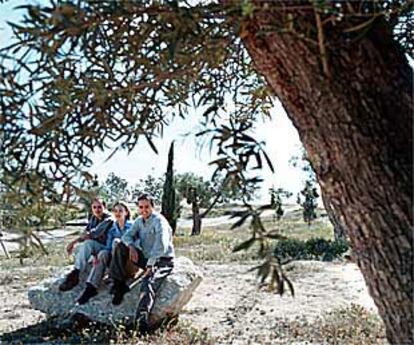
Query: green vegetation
x=309 y=202
x=215 y=243
x=114 y=188
x=276 y=196
x=170 y=203
x=312 y=249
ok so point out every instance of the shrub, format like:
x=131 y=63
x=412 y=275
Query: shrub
x=312 y=249
x=291 y=249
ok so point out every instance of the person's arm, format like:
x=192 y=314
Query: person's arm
x=71 y=245
x=162 y=240
x=131 y=234
x=111 y=236
x=81 y=238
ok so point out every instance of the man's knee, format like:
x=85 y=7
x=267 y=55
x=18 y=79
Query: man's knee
x=120 y=248
x=86 y=245
x=103 y=256
x=81 y=248
x=115 y=243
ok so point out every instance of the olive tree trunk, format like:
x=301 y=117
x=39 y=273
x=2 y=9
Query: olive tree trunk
x=351 y=101
x=339 y=229
x=196 y=230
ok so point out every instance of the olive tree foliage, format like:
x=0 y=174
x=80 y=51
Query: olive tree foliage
x=84 y=75
x=114 y=188
x=150 y=184
x=212 y=192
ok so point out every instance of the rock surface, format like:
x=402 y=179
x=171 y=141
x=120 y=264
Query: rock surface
x=174 y=293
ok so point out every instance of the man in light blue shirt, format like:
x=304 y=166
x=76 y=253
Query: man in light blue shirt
x=148 y=245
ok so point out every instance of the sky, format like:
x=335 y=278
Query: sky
x=281 y=138
x=281 y=143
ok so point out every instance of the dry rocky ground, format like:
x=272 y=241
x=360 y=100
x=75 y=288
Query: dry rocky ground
x=229 y=306
x=331 y=303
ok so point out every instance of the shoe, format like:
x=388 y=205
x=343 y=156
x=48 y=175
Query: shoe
x=119 y=290
x=143 y=328
x=71 y=280
x=142 y=324
x=89 y=292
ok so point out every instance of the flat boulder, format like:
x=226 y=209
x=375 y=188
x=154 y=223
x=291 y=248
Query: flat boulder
x=173 y=294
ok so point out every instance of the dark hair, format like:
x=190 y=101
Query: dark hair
x=101 y=201
x=147 y=197
x=125 y=206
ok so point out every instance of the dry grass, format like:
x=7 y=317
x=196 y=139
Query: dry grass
x=50 y=333
x=353 y=325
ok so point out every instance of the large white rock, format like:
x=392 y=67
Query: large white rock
x=174 y=293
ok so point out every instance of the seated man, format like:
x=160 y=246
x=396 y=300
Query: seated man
x=148 y=245
x=91 y=242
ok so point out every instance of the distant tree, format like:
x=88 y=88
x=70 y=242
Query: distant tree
x=203 y=194
x=114 y=188
x=199 y=194
x=231 y=193
x=193 y=198
x=150 y=184
x=276 y=198
x=304 y=164
x=186 y=181
x=309 y=203
x=169 y=198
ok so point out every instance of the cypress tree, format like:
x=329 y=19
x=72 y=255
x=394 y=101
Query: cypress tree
x=168 y=209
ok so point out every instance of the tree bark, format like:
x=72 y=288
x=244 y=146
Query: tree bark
x=352 y=107
x=339 y=229
x=198 y=218
x=196 y=230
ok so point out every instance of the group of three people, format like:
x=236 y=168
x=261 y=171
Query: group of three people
x=122 y=248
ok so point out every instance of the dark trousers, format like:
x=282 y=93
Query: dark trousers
x=121 y=267
x=120 y=270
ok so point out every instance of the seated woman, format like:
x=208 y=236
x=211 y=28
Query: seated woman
x=122 y=223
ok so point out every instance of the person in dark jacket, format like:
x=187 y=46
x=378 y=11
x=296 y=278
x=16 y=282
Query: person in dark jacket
x=89 y=243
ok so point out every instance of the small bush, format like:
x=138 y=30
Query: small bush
x=291 y=249
x=312 y=249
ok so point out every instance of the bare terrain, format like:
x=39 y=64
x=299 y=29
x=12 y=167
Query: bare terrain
x=331 y=303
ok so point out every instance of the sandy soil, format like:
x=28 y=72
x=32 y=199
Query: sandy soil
x=228 y=303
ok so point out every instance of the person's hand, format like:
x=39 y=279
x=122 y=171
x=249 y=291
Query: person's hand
x=95 y=260
x=133 y=253
x=148 y=271
x=70 y=247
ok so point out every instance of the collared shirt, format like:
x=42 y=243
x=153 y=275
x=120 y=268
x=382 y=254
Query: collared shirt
x=116 y=232
x=153 y=236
